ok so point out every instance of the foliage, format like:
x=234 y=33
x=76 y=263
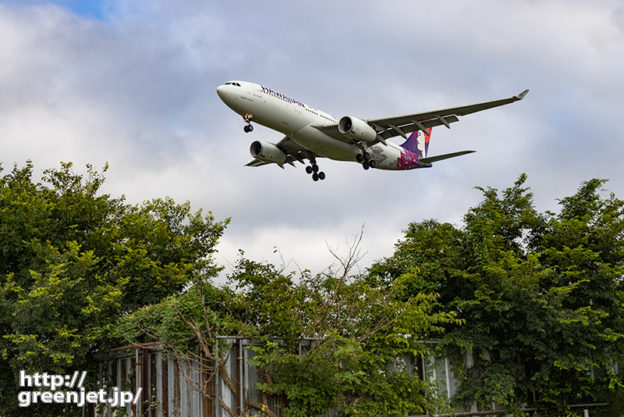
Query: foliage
x=535 y=299
x=361 y=335
x=74 y=260
x=542 y=294
x=353 y=337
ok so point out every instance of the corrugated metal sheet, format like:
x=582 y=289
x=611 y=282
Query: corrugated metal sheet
x=171 y=387
x=167 y=385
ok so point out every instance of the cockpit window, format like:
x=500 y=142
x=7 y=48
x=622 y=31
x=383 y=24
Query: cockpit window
x=233 y=83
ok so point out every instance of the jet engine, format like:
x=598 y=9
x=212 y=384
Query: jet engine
x=356 y=129
x=267 y=152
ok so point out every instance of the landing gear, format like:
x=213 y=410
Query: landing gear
x=314 y=170
x=247 y=117
x=364 y=159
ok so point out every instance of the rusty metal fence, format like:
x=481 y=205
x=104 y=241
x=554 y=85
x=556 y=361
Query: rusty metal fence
x=166 y=384
x=171 y=388
x=174 y=388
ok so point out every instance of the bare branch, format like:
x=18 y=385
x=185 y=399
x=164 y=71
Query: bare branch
x=353 y=256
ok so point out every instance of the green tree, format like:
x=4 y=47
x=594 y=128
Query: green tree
x=356 y=339
x=541 y=294
x=73 y=261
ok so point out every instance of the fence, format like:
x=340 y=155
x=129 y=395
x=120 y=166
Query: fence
x=166 y=384
x=171 y=388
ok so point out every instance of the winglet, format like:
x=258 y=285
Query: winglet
x=522 y=94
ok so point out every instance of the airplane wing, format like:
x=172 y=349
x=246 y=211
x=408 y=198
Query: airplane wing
x=294 y=152
x=402 y=125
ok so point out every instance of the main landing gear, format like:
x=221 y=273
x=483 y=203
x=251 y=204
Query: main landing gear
x=248 y=127
x=314 y=170
x=364 y=159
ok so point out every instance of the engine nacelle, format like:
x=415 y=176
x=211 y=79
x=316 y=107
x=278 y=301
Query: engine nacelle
x=267 y=152
x=356 y=129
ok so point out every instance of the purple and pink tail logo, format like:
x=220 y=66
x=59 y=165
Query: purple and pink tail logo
x=418 y=143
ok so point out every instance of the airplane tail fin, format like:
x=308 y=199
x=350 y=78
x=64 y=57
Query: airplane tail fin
x=418 y=142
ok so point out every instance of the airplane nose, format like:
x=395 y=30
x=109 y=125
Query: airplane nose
x=225 y=93
x=221 y=91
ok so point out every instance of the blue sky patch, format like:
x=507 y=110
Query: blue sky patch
x=91 y=9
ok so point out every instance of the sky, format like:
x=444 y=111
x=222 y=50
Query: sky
x=132 y=84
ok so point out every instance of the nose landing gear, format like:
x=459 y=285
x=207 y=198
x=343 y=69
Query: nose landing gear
x=248 y=127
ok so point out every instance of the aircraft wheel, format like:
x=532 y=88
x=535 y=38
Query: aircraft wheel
x=309 y=169
x=321 y=175
x=315 y=168
x=315 y=176
x=359 y=158
x=372 y=163
x=248 y=128
x=365 y=165
x=366 y=156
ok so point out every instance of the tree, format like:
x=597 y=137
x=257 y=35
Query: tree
x=74 y=261
x=359 y=337
x=542 y=294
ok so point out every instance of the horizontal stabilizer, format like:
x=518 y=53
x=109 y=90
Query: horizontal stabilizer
x=445 y=156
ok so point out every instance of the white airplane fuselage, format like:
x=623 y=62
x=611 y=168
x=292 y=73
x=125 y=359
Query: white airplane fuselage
x=298 y=120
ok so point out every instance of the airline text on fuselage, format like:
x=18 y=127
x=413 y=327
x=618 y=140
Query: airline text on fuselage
x=267 y=90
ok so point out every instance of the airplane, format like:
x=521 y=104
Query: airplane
x=311 y=134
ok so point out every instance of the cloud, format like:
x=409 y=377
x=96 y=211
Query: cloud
x=136 y=87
